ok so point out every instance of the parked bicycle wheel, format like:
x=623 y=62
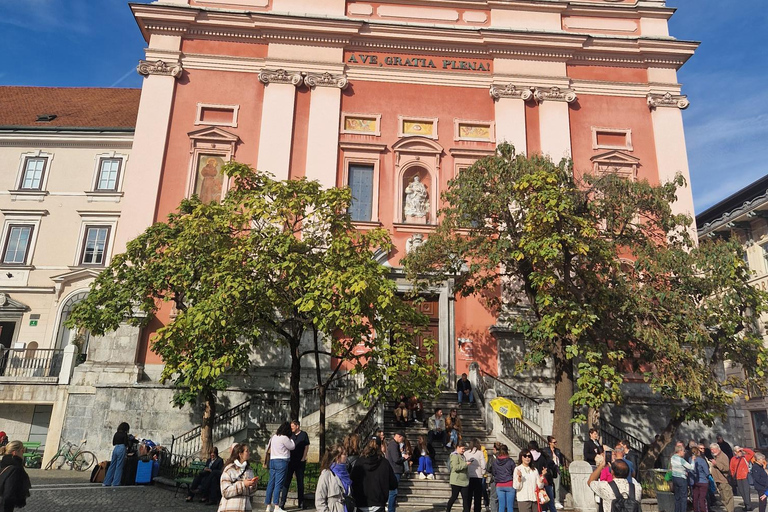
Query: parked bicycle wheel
x=53 y=460
x=84 y=461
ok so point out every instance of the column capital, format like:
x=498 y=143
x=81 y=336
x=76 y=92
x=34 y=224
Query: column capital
x=326 y=80
x=280 y=76
x=554 y=94
x=160 y=67
x=498 y=91
x=667 y=100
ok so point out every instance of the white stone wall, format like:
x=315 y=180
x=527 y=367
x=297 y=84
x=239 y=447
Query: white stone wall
x=16 y=420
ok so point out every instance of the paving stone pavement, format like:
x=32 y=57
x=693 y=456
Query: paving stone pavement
x=59 y=491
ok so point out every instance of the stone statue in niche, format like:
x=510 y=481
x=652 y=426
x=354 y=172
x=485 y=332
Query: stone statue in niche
x=416 y=241
x=416 y=202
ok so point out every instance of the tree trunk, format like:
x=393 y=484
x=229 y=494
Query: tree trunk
x=206 y=430
x=666 y=437
x=320 y=391
x=295 y=378
x=593 y=418
x=321 y=425
x=562 y=426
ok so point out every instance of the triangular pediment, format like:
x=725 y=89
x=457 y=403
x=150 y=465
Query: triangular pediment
x=615 y=157
x=417 y=145
x=9 y=305
x=80 y=274
x=213 y=134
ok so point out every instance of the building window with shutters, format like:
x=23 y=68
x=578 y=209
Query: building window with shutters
x=360 y=179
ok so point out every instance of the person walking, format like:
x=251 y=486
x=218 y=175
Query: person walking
x=397 y=460
x=760 y=479
x=372 y=478
x=700 y=480
x=476 y=472
x=120 y=441
x=680 y=468
x=720 y=469
x=459 y=478
x=279 y=450
x=556 y=456
x=14 y=480
x=527 y=482
x=237 y=482
x=502 y=470
x=296 y=464
x=739 y=467
x=334 y=482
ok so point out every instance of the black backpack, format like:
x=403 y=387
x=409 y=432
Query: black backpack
x=622 y=504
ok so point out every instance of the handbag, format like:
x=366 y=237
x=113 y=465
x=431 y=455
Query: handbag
x=267 y=456
x=712 y=486
x=542 y=497
x=349 y=502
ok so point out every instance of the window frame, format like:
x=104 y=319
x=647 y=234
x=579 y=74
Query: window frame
x=7 y=238
x=368 y=166
x=86 y=228
x=99 y=169
x=354 y=153
x=43 y=173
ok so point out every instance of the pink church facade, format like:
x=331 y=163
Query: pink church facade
x=379 y=95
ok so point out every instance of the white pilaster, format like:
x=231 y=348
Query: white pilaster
x=277 y=129
x=510 y=123
x=323 y=134
x=142 y=181
x=555 y=129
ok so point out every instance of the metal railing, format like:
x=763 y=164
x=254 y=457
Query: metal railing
x=372 y=420
x=341 y=388
x=30 y=362
x=529 y=405
x=612 y=434
x=520 y=433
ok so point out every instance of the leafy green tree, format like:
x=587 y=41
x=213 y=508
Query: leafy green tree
x=570 y=255
x=275 y=261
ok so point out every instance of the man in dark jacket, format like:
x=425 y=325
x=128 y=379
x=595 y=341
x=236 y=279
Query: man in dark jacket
x=592 y=446
x=397 y=460
x=632 y=457
x=724 y=446
x=372 y=477
x=554 y=454
x=464 y=389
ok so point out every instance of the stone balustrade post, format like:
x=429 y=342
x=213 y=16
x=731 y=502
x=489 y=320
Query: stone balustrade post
x=583 y=497
x=67 y=364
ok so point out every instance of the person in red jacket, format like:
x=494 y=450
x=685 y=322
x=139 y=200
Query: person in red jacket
x=739 y=466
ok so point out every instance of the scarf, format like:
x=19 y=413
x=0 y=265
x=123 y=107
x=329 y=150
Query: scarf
x=340 y=470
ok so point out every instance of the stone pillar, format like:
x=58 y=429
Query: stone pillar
x=56 y=424
x=277 y=121
x=669 y=139
x=67 y=364
x=323 y=134
x=583 y=497
x=111 y=359
x=510 y=114
x=142 y=179
x=554 y=121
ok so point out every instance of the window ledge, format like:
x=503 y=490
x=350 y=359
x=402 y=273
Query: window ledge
x=11 y=266
x=365 y=225
x=103 y=195
x=414 y=228
x=85 y=266
x=28 y=195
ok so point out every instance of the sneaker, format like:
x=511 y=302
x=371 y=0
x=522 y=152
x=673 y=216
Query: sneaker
x=278 y=509
x=431 y=476
x=422 y=476
x=558 y=505
x=270 y=508
x=448 y=445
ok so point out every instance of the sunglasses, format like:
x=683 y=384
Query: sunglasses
x=526 y=456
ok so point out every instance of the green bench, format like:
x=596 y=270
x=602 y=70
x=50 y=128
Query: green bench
x=32 y=458
x=187 y=475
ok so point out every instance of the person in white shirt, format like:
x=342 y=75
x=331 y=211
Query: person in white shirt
x=476 y=471
x=620 y=472
x=279 y=450
x=527 y=482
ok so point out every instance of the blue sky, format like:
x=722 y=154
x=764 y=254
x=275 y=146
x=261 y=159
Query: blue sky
x=97 y=43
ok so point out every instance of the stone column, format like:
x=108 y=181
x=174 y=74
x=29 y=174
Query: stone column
x=276 y=137
x=554 y=121
x=111 y=359
x=583 y=497
x=142 y=179
x=510 y=114
x=323 y=135
x=669 y=139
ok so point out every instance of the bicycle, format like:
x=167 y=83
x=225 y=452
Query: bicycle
x=77 y=458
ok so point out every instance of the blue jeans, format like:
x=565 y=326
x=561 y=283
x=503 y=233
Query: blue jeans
x=454 y=437
x=680 y=486
x=506 y=498
x=115 y=470
x=551 y=493
x=278 y=468
x=392 y=502
x=461 y=396
x=425 y=465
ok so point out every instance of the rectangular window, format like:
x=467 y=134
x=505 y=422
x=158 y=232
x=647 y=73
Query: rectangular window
x=34 y=169
x=360 y=180
x=109 y=174
x=17 y=244
x=95 y=245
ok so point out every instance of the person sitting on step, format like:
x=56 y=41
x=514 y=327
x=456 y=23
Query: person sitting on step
x=425 y=455
x=453 y=428
x=401 y=415
x=436 y=427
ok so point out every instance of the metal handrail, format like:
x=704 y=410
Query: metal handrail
x=370 y=422
x=529 y=405
x=614 y=434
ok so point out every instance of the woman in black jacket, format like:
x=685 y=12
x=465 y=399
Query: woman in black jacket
x=120 y=441
x=760 y=478
x=13 y=478
x=372 y=477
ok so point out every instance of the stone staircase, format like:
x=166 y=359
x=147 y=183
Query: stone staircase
x=429 y=495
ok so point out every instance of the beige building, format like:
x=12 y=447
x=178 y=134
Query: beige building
x=744 y=215
x=64 y=154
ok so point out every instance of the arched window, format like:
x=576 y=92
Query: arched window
x=65 y=335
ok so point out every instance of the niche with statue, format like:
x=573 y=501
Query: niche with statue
x=417 y=196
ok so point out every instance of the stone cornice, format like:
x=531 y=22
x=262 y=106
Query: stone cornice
x=326 y=80
x=555 y=94
x=280 y=76
x=510 y=91
x=160 y=67
x=667 y=100
x=537 y=94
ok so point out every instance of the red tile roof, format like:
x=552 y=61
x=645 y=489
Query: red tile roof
x=74 y=107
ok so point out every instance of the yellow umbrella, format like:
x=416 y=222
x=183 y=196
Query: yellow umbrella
x=506 y=407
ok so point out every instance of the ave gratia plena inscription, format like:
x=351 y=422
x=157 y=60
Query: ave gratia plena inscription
x=404 y=61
